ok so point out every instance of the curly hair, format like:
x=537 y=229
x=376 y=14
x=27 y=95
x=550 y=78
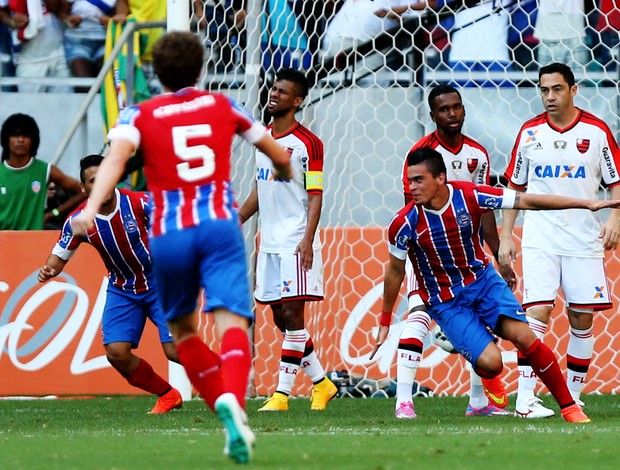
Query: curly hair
x=178 y=58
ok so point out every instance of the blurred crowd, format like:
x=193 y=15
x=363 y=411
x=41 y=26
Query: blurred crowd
x=62 y=38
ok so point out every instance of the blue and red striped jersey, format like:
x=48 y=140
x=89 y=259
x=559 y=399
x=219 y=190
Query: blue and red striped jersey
x=121 y=238
x=445 y=246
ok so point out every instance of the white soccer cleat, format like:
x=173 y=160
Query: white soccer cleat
x=239 y=437
x=532 y=409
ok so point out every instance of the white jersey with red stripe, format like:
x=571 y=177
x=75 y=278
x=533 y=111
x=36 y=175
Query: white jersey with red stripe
x=186 y=139
x=283 y=205
x=445 y=246
x=467 y=162
x=570 y=162
x=120 y=238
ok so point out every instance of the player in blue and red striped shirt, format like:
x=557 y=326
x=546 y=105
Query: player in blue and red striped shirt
x=185 y=135
x=120 y=236
x=440 y=231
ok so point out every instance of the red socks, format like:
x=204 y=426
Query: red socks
x=236 y=362
x=203 y=367
x=145 y=378
x=546 y=367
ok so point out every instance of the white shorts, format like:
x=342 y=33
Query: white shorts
x=583 y=280
x=280 y=277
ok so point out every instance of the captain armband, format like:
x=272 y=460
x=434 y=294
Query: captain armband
x=313 y=181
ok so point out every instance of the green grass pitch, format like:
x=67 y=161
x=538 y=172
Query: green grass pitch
x=360 y=434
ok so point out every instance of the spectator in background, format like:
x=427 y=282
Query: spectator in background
x=561 y=30
x=224 y=22
x=7 y=67
x=479 y=41
x=608 y=25
x=24 y=179
x=360 y=21
x=36 y=34
x=84 y=35
x=56 y=196
x=312 y=17
x=143 y=10
x=521 y=41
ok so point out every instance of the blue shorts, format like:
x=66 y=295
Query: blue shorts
x=125 y=314
x=210 y=256
x=82 y=48
x=465 y=318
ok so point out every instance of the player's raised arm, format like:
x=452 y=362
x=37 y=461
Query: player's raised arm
x=554 y=202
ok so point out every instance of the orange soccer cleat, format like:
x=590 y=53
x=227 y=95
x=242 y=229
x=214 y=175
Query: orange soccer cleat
x=495 y=391
x=169 y=401
x=574 y=414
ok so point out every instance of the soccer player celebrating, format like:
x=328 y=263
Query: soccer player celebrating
x=186 y=135
x=440 y=232
x=289 y=268
x=466 y=160
x=120 y=235
x=564 y=151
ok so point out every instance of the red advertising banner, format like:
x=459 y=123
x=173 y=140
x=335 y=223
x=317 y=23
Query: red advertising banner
x=50 y=340
x=50 y=334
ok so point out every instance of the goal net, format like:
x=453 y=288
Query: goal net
x=368 y=105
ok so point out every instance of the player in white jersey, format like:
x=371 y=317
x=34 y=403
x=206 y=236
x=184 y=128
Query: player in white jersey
x=465 y=160
x=563 y=151
x=289 y=267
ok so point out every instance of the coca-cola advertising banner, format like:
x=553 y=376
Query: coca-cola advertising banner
x=50 y=334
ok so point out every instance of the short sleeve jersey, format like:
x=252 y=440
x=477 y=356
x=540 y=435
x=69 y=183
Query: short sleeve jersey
x=445 y=246
x=467 y=162
x=569 y=162
x=186 y=140
x=120 y=238
x=283 y=205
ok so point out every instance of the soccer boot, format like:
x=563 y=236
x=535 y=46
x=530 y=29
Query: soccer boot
x=405 y=410
x=489 y=410
x=169 y=401
x=495 y=391
x=532 y=408
x=574 y=414
x=322 y=392
x=277 y=402
x=239 y=437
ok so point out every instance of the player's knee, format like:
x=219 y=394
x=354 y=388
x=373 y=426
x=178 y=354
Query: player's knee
x=522 y=337
x=292 y=318
x=117 y=356
x=171 y=352
x=489 y=364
